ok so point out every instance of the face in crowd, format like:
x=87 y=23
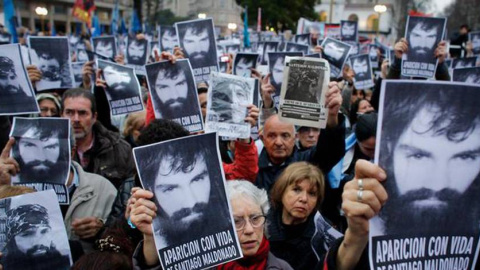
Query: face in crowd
x=279 y=139
x=49 y=66
x=360 y=66
x=308 y=136
x=196 y=44
x=172 y=91
x=104 y=48
x=117 y=80
x=243 y=68
x=79 y=111
x=38 y=156
x=334 y=51
x=169 y=40
x=136 y=52
x=422 y=42
x=8 y=78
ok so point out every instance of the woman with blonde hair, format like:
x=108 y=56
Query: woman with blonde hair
x=297 y=231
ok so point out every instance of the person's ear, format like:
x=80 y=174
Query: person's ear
x=95 y=115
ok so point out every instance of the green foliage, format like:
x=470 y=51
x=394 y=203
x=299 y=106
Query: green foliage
x=280 y=14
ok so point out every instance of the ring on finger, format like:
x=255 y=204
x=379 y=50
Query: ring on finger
x=360 y=184
x=359 y=195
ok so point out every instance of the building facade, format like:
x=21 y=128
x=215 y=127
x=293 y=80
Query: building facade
x=60 y=14
x=223 y=12
x=362 y=11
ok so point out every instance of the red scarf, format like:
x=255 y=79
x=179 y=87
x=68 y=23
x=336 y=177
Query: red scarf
x=257 y=261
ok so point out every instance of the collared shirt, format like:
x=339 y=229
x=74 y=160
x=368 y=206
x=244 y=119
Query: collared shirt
x=85 y=160
x=76 y=180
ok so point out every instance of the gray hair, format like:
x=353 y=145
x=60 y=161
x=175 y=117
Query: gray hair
x=243 y=187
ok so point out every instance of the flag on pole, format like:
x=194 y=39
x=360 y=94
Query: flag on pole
x=10 y=19
x=259 y=20
x=123 y=28
x=96 y=30
x=53 y=32
x=246 y=36
x=115 y=15
x=82 y=9
x=135 y=25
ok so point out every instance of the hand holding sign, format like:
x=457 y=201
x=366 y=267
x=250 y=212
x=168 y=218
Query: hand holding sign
x=333 y=102
x=8 y=165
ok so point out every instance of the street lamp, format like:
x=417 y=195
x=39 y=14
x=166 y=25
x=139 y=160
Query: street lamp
x=232 y=26
x=42 y=12
x=202 y=15
x=379 y=9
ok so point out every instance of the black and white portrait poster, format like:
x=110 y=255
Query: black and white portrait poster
x=362 y=67
x=42 y=149
x=303 y=39
x=83 y=56
x=194 y=213
x=16 y=91
x=174 y=93
x=77 y=73
x=349 y=31
x=268 y=47
x=243 y=64
x=336 y=53
x=474 y=37
x=428 y=142
x=5 y=38
x=197 y=38
x=51 y=55
x=295 y=47
x=105 y=46
x=276 y=64
x=464 y=62
x=137 y=52
x=232 y=48
x=423 y=35
x=303 y=92
x=33 y=235
x=123 y=90
x=467 y=75
x=373 y=54
x=227 y=101
x=168 y=38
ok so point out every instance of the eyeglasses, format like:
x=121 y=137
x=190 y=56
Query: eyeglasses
x=256 y=221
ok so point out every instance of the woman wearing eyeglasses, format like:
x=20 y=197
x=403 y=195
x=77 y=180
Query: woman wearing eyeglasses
x=297 y=231
x=249 y=206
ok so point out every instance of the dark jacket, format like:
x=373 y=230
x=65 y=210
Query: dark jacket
x=303 y=246
x=110 y=156
x=329 y=150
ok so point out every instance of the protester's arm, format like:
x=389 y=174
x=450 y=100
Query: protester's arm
x=359 y=212
x=8 y=166
x=142 y=213
x=266 y=92
x=375 y=100
x=440 y=53
x=400 y=48
x=245 y=164
x=330 y=147
x=347 y=87
x=87 y=73
x=469 y=49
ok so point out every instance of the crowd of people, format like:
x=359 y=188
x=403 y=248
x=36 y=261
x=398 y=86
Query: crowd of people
x=301 y=197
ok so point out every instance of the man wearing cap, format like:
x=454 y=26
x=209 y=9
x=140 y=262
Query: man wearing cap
x=29 y=240
x=12 y=95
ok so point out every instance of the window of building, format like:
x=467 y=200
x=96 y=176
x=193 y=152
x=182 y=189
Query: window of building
x=323 y=16
x=372 y=22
